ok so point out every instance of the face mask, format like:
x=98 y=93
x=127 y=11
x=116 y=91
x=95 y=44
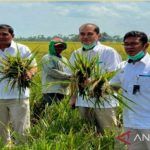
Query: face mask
x=137 y=56
x=52 y=49
x=88 y=47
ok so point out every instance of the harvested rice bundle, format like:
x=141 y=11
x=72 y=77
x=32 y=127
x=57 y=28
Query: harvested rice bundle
x=100 y=88
x=81 y=70
x=90 y=81
x=14 y=70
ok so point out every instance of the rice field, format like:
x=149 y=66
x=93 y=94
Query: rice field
x=42 y=47
x=62 y=128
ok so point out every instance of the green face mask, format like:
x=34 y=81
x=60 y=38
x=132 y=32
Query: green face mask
x=137 y=56
x=88 y=47
x=52 y=50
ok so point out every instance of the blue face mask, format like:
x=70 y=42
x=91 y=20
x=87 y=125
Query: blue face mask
x=137 y=56
x=88 y=47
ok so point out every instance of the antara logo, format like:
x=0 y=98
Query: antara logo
x=137 y=137
x=124 y=137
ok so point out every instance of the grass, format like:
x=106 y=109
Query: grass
x=62 y=128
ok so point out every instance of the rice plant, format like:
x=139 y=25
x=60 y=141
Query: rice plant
x=13 y=69
x=91 y=81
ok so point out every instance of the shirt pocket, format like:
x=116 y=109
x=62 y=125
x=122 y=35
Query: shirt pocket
x=144 y=83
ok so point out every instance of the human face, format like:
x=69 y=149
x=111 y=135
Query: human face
x=87 y=35
x=59 y=48
x=133 y=45
x=5 y=38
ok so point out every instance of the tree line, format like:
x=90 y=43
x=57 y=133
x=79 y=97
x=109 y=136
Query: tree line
x=70 y=37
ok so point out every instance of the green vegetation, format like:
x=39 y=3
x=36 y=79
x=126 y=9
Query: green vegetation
x=42 y=47
x=14 y=69
x=61 y=128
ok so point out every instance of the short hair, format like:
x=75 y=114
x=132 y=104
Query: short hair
x=6 y=26
x=97 y=29
x=143 y=37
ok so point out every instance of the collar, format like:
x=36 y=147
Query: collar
x=134 y=61
x=88 y=49
x=13 y=45
x=144 y=59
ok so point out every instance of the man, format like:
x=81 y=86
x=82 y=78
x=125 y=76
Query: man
x=134 y=79
x=103 y=117
x=13 y=108
x=53 y=73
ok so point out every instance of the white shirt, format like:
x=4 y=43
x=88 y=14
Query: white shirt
x=5 y=92
x=109 y=59
x=130 y=75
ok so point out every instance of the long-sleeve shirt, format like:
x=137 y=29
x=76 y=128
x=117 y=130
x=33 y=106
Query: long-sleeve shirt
x=53 y=75
x=134 y=79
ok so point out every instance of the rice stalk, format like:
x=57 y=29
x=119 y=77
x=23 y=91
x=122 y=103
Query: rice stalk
x=91 y=81
x=13 y=69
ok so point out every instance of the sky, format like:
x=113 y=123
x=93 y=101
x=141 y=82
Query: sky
x=65 y=17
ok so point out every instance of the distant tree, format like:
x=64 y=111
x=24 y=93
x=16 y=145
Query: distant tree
x=105 y=37
x=117 y=38
x=71 y=37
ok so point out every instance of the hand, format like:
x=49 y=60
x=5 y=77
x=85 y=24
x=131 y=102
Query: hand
x=87 y=81
x=72 y=102
x=29 y=75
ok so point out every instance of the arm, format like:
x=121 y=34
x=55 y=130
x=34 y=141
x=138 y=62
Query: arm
x=73 y=101
x=58 y=74
x=113 y=59
x=115 y=82
x=51 y=67
x=26 y=53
